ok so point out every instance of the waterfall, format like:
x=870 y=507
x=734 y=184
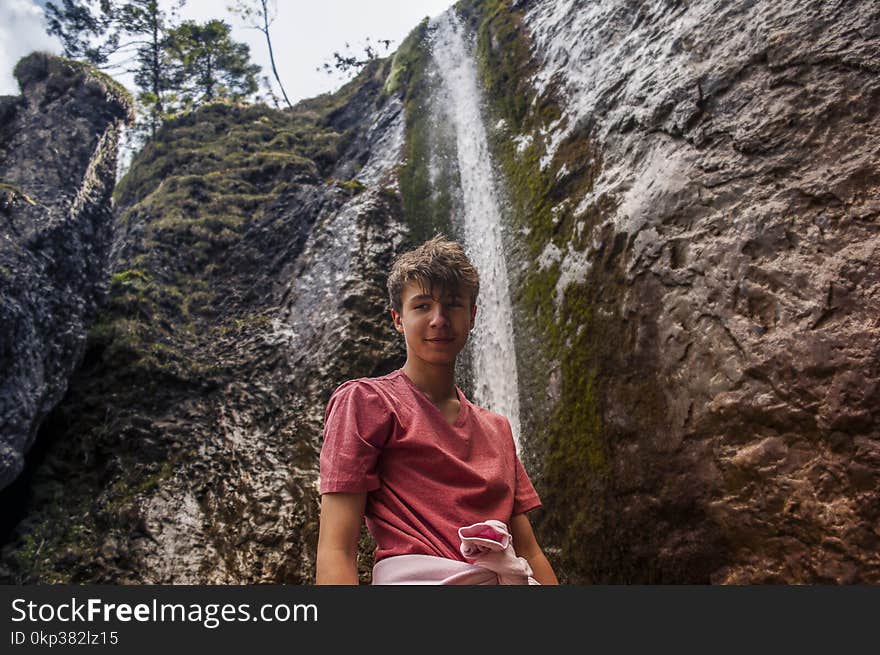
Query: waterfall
x=492 y=345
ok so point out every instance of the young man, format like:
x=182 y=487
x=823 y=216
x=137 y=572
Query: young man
x=436 y=477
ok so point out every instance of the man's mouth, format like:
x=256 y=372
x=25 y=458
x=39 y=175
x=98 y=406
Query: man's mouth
x=444 y=340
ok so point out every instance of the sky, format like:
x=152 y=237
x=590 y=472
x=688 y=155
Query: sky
x=304 y=35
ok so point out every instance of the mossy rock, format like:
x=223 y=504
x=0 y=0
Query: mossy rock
x=62 y=75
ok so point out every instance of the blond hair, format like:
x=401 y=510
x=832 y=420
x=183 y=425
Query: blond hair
x=438 y=262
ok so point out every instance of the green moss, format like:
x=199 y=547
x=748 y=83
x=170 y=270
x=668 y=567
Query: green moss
x=227 y=145
x=28 y=553
x=63 y=74
x=131 y=278
x=137 y=482
x=503 y=55
x=407 y=62
x=47 y=546
x=352 y=186
x=427 y=203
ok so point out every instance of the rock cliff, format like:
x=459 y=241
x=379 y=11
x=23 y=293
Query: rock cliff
x=247 y=281
x=58 y=144
x=695 y=204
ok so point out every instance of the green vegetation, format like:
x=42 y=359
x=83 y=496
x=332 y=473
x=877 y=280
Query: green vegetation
x=67 y=74
x=427 y=203
x=407 y=64
x=193 y=192
x=38 y=552
x=61 y=544
x=175 y=67
x=190 y=196
x=207 y=64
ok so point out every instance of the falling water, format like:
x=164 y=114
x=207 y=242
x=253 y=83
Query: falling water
x=494 y=357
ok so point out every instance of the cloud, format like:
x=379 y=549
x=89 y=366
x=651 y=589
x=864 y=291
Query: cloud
x=22 y=30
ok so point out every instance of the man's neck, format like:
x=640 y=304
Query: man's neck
x=438 y=382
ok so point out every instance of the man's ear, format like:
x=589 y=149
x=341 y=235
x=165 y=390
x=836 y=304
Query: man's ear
x=473 y=316
x=398 y=324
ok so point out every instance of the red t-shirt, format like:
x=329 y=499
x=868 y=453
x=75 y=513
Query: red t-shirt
x=425 y=477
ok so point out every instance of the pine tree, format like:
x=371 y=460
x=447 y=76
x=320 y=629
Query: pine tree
x=149 y=26
x=84 y=29
x=120 y=37
x=206 y=64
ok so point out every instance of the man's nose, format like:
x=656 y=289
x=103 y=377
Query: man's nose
x=438 y=316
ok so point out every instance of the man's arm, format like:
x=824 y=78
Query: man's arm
x=526 y=545
x=338 y=534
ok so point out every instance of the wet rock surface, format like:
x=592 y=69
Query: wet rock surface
x=727 y=239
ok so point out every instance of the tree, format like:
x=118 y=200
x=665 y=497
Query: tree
x=260 y=14
x=174 y=68
x=144 y=19
x=121 y=37
x=81 y=27
x=205 y=63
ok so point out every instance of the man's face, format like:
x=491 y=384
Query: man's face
x=435 y=327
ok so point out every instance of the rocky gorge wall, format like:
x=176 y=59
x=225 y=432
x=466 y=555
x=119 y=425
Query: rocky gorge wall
x=246 y=283
x=58 y=145
x=694 y=196
x=689 y=205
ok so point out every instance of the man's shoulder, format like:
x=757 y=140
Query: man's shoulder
x=487 y=415
x=369 y=386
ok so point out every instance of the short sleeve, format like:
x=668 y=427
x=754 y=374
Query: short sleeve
x=525 y=497
x=357 y=424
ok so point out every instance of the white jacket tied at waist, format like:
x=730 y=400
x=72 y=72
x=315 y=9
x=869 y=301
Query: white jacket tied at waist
x=488 y=547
